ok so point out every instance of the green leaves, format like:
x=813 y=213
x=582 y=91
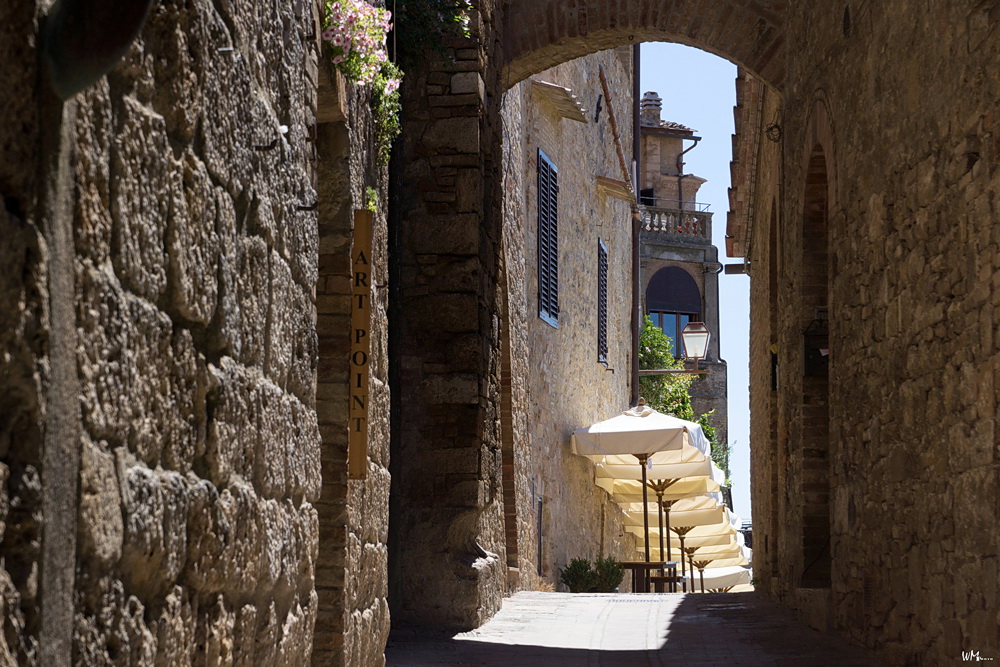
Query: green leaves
x=671 y=393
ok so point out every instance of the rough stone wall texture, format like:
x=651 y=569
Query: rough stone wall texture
x=902 y=103
x=351 y=574
x=520 y=507
x=23 y=341
x=452 y=570
x=568 y=387
x=194 y=275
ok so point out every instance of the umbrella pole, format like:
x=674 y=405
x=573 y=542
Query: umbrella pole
x=667 y=517
x=645 y=498
x=659 y=511
x=684 y=566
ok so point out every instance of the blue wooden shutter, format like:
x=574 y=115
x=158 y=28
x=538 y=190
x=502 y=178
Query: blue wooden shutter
x=548 y=240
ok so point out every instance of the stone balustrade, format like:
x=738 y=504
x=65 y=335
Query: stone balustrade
x=678 y=225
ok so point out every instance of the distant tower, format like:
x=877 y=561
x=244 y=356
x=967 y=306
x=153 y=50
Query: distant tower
x=678 y=264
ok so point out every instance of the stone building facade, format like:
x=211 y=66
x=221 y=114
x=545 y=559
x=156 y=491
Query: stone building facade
x=562 y=118
x=175 y=289
x=679 y=266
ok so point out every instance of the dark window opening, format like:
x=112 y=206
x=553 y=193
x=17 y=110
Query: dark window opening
x=672 y=300
x=548 y=240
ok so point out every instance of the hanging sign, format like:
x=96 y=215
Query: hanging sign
x=361 y=292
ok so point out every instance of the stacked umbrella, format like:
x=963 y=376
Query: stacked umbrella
x=643 y=455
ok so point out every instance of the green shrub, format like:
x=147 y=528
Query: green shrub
x=608 y=574
x=579 y=576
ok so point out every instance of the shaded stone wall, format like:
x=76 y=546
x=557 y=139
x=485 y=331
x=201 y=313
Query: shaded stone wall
x=520 y=505
x=192 y=266
x=567 y=386
x=909 y=144
x=351 y=575
x=24 y=314
x=452 y=568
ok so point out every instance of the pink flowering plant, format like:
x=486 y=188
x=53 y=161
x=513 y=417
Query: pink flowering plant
x=354 y=32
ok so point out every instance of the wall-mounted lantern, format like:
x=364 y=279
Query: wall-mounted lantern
x=695 y=338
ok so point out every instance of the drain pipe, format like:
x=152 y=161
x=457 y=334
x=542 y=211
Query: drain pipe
x=680 y=173
x=636 y=222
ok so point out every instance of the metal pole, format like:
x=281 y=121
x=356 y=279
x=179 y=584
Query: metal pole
x=645 y=508
x=666 y=507
x=659 y=507
x=684 y=564
x=636 y=222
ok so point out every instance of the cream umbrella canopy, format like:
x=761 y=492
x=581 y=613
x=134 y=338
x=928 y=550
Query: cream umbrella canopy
x=665 y=447
x=708 y=481
x=646 y=436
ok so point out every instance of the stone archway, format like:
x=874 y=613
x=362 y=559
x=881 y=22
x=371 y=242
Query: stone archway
x=448 y=355
x=539 y=35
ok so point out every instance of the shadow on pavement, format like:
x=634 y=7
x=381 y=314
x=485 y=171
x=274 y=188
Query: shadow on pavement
x=706 y=630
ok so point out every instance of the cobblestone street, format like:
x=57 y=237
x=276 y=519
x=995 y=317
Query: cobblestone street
x=537 y=629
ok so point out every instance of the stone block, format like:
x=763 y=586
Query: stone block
x=92 y=215
x=193 y=245
x=253 y=285
x=304 y=453
x=145 y=184
x=238 y=506
x=452 y=135
x=295 y=645
x=468 y=82
x=245 y=637
x=100 y=528
x=270 y=471
x=143 y=552
x=304 y=346
x=232 y=434
x=207 y=570
x=280 y=331
x=175 y=630
x=214 y=633
x=275 y=533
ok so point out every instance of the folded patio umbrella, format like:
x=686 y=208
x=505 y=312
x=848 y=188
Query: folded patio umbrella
x=640 y=441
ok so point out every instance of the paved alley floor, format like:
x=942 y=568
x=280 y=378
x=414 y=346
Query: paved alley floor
x=536 y=629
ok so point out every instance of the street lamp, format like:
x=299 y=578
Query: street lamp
x=695 y=337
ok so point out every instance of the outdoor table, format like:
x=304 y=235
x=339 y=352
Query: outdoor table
x=640 y=572
x=669 y=580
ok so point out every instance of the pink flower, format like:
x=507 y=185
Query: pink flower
x=328 y=34
x=338 y=40
x=338 y=59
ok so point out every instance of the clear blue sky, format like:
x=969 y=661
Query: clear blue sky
x=699 y=90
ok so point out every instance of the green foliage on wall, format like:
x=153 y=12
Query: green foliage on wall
x=671 y=393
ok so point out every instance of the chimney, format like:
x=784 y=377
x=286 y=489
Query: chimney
x=649 y=108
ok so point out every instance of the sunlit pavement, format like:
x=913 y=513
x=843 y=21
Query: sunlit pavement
x=710 y=630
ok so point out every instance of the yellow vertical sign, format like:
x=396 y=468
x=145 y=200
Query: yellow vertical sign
x=361 y=292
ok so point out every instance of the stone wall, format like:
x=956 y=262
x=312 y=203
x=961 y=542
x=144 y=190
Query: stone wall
x=351 y=574
x=911 y=470
x=192 y=270
x=568 y=388
x=451 y=566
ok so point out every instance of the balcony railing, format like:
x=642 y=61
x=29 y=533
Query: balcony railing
x=687 y=226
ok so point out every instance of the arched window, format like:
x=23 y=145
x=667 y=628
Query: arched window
x=672 y=300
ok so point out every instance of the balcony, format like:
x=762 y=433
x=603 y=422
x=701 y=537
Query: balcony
x=666 y=221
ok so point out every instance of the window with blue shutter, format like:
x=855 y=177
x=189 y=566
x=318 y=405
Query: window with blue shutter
x=548 y=240
x=602 y=302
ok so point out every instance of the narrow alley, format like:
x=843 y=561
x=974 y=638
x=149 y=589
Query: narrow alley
x=536 y=629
